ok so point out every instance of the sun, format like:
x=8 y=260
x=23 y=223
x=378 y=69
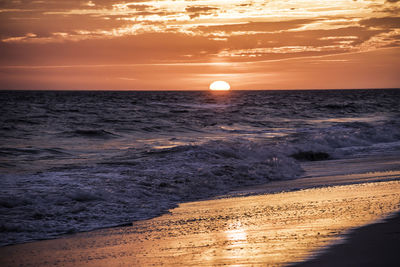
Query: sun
x=220 y=86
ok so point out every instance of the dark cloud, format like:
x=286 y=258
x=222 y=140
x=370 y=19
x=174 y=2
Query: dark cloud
x=60 y=4
x=139 y=7
x=392 y=10
x=200 y=8
x=196 y=11
x=19 y=24
x=386 y=22
x=44 y=6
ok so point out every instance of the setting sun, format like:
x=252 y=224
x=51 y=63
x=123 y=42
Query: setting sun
x=220 y=86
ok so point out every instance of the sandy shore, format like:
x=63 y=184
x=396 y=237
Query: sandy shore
x=269 y=229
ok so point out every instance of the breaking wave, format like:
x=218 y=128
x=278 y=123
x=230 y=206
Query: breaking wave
x=133 y=187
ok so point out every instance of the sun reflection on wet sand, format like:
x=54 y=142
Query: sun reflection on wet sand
x=237 y=234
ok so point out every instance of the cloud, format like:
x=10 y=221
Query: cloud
x=196 y=11
x=270 y=26
x=143 y=48
x=161 y=46
x=383 y=22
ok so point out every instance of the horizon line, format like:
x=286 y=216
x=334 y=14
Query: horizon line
x=196 y=90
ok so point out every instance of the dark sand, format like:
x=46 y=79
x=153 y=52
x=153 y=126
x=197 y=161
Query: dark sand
x=372 y=245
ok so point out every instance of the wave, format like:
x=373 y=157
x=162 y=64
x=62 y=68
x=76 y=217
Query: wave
x=129 y=187
x=10 y=151
x=17 y=121
x=89 y=133
x=347 y=139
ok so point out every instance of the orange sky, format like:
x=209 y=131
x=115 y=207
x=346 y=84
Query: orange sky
x=184 y=45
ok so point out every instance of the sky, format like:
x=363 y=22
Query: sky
x=187 y=44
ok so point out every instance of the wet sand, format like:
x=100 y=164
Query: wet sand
x=269 y=229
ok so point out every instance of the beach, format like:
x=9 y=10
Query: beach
x=199 y=133
x=275 y=228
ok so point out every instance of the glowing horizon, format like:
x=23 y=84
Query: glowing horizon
x=183 y=45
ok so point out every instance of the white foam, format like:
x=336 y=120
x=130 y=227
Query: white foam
x=82 y=199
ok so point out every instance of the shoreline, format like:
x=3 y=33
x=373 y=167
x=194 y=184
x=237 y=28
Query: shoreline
x=313 y=177
x=278 y=228
x=334 y=172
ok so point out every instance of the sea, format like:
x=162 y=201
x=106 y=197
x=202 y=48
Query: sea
x=74 y=161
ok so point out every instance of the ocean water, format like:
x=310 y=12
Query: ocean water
x=77 y=161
